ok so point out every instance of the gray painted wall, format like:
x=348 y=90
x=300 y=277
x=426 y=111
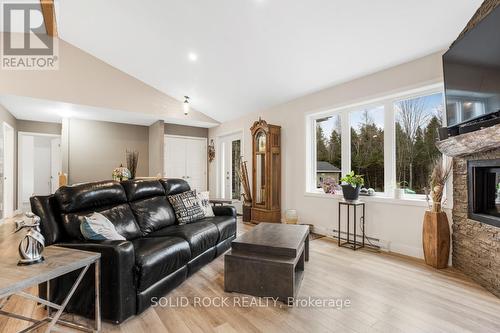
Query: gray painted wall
x=156 y=148
x=95 y=148
x=173 y=129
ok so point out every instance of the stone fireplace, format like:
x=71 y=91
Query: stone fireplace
x=476 y=242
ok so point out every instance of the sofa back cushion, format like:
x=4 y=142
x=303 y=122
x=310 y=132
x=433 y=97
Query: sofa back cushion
x=174 y=186
x=149 y=204
x=107 y=197
x=153 y=214
x=138 y=189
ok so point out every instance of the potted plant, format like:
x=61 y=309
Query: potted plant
x=436 y=230
x=329 y=185
x=351 y=184
x=399 y=190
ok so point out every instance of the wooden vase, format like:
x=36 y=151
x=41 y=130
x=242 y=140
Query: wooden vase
x=436 y=239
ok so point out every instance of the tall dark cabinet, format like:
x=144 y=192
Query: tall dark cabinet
x=266 y=173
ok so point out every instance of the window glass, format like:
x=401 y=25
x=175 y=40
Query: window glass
x=328 y=150
x=367 y=146
x=417 y=122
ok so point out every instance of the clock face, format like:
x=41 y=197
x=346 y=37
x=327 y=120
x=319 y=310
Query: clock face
x=261 y=142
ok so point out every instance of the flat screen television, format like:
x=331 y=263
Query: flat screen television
x=472 y=73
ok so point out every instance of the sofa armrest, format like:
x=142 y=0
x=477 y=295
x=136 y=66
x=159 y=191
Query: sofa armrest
x=224 y=211
x=118 y=292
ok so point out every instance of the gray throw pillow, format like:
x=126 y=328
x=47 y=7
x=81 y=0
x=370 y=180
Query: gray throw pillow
x=187 y=207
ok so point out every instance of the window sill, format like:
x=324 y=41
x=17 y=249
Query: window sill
x=376 y=198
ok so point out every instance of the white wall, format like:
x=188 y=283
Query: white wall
x=398 y=224
x=42 y=171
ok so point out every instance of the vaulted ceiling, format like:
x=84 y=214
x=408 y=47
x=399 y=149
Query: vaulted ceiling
x=237 y=56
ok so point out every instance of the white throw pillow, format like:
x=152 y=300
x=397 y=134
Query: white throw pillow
x=203 y=197
x=98 y=227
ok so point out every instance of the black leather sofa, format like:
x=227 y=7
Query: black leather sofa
x=157 y=255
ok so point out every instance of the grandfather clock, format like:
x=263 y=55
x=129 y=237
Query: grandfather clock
x=266 y=175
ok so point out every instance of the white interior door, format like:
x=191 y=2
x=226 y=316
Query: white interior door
x=196 y=164
x=186 y=158
x=8 y=179
x=175 y=157
x=55 y=163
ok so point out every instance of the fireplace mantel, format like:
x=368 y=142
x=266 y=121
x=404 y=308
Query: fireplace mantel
x=471 y=143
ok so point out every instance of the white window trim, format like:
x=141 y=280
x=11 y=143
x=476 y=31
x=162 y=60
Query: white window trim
x=388 y=103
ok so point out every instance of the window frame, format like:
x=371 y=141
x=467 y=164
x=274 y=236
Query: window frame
x=388 y=103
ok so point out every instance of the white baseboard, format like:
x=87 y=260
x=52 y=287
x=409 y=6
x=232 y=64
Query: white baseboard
x=386 y=246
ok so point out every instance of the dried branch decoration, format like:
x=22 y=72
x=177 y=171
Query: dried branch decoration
x=132 y=161
x=441 y=172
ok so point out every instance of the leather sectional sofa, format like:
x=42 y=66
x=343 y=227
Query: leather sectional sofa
x=157 y=255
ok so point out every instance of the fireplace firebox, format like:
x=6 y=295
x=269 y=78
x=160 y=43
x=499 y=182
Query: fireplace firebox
x=484 y=191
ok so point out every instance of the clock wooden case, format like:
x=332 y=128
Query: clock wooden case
x=266 y=175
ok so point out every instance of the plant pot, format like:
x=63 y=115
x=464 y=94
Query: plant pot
x=436 y=239
x=350 y=193
x=399 y=193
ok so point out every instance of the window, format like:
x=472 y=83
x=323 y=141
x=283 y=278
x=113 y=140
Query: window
x=390 y=141
x=328 y=149
x=417 y=121
x=367 y=146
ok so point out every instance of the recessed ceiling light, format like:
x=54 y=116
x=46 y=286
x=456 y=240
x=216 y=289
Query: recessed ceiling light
x=192 y=56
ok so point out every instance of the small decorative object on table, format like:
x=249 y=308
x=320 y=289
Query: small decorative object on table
x=291 y=216
x=211 y=151
x=351 y=185
x=32 y=245
x=436 y=230
x=132 y=161
x=121 y=173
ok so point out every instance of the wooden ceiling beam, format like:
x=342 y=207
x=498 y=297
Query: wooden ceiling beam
x=49 y=17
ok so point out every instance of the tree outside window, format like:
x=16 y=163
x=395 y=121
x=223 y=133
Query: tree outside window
x=417 y=122
x=328 y=149
x=367 y=146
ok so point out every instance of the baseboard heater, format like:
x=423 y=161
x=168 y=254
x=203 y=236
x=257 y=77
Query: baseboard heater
x=343 y=237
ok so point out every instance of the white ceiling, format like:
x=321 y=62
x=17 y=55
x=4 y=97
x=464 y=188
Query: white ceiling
x=253 y=54
x=27 y=108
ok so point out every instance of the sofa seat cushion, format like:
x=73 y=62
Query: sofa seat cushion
x=156 y=258
x=226 y=226
x=200 y=235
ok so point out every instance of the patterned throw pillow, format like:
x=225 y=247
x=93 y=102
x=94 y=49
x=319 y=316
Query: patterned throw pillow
x=187 y=207
x=205 y=203
x=98 y=227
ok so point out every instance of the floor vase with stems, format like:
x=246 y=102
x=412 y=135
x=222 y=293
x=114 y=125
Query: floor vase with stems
x=436 y=239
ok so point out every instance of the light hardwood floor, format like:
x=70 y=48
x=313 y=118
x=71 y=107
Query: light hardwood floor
x=388 y=293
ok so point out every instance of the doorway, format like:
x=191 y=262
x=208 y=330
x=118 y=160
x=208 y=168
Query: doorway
x=231 y=151
x=39 y=166
x=186 y=158
x=7 y=171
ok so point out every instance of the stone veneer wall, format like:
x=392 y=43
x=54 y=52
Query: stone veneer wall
x=476 y=246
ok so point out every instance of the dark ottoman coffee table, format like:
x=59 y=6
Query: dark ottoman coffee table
x=268 y=261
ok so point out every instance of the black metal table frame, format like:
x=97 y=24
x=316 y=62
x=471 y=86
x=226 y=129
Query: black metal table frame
x=352 y=244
